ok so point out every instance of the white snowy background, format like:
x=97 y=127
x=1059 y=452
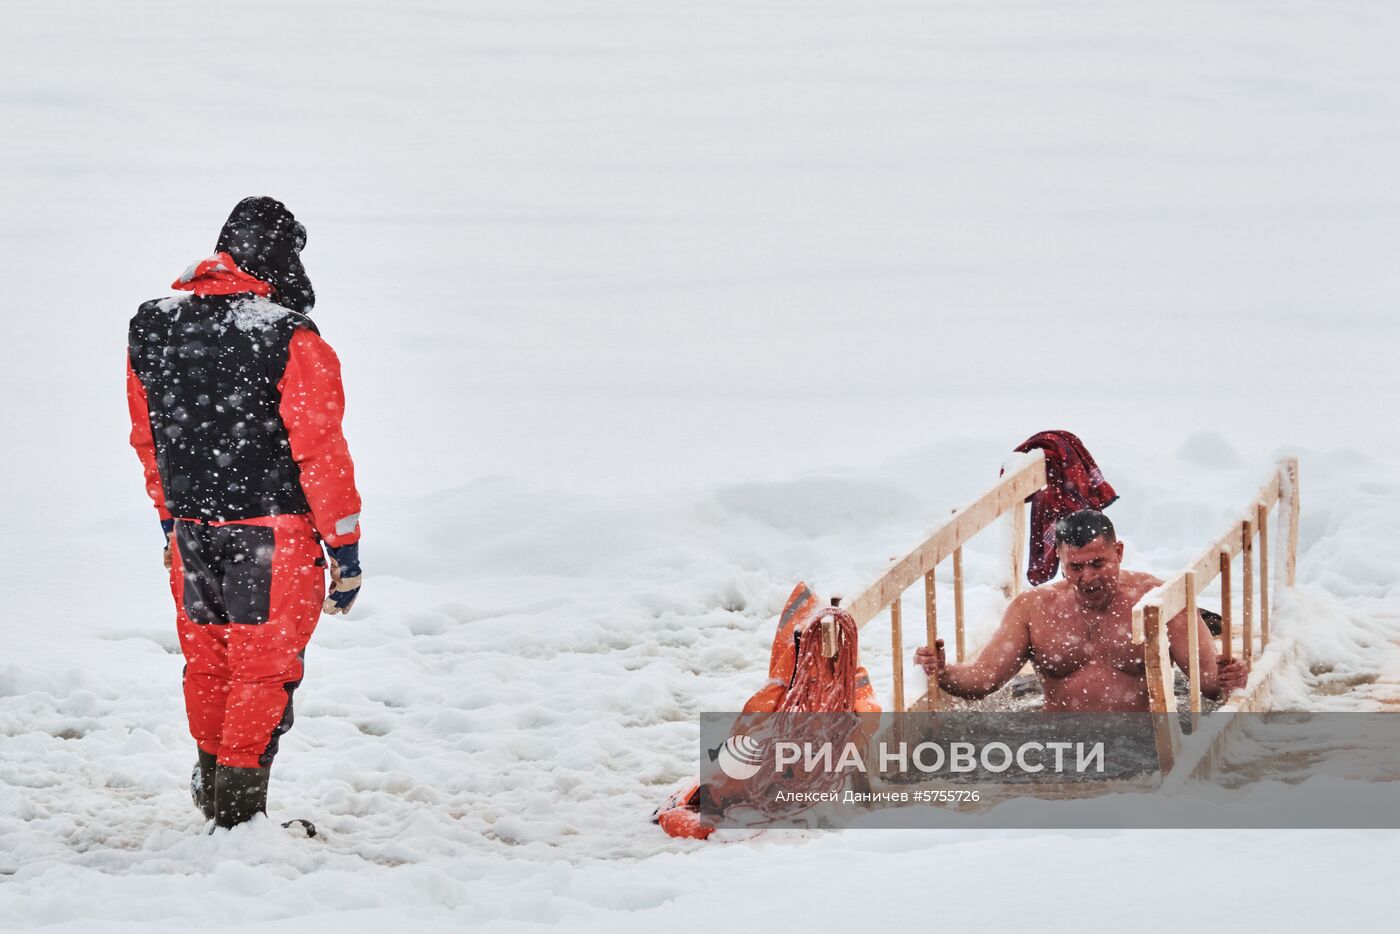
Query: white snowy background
x=647 y=311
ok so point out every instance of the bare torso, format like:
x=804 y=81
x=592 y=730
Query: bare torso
x=1086 y=658
x=1078 y=633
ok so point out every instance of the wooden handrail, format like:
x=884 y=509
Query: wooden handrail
x=1151 y=614
x=1009 y=494
x=1011 y=490
x=1170 y=596
x=1163 y=603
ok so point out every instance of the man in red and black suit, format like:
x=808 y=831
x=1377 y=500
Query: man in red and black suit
x=236 y=406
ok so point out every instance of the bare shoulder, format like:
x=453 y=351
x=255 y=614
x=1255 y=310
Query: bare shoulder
x=1138 y=583
x=1034 y=602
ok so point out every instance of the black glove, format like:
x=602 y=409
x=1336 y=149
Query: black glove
x=345 y=579
x=167 y=527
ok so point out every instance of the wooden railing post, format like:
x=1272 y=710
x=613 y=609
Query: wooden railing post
x=931 y=624
x=1263 y=513
x=1160 y=699
x=1247 y=592
x=1193 y=648
x=897 y=649
x=1291 y=559
x=958 y=602
x=1018 y=550
x=1227 y=615
x=831 y=637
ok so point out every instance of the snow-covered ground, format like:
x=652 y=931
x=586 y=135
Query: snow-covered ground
x=648 y=311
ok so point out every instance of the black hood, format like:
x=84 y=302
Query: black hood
x=266 y=240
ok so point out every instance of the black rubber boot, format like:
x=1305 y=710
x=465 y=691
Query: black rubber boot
x=202 y=784
x=239 y=794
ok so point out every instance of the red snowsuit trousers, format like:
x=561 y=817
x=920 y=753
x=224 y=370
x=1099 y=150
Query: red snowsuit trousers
x=247 y=595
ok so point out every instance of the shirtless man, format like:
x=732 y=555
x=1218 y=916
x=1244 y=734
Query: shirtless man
x=1077 y=632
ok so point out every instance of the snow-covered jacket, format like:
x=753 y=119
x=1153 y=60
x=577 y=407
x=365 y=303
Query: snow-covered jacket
x=236 y=400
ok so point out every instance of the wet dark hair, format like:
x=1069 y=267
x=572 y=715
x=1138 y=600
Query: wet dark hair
x=1080 y=528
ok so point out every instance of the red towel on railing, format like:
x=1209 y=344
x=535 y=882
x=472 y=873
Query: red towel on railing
x=1073 y=482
